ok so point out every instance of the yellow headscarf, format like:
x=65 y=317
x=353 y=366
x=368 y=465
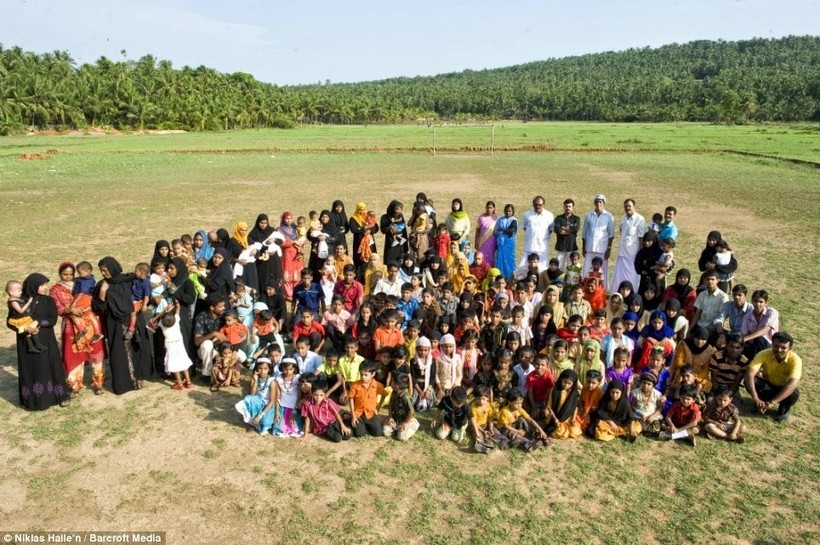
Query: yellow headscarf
x=360 y=215
x=240 y=237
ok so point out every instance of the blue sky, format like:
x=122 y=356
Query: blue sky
x=310 y=41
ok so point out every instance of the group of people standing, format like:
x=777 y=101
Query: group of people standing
x=492 y=301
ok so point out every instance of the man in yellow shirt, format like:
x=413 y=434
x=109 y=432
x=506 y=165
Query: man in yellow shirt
x=773 y=377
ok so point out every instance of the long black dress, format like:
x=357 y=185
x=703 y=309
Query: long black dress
x=395 y=244
x=41 y=378
x=130 y=359
x=265 y=268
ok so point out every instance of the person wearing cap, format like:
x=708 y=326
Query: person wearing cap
x=597 y=237
x=632 y=230
x=537 y=224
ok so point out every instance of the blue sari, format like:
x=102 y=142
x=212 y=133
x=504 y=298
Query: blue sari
x=505 y=245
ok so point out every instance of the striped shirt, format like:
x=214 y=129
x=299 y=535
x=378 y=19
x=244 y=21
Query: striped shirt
x=725 y=373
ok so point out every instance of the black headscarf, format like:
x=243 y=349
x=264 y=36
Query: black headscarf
x=259 y=234
x=698 y=332
x=118 y=297
x=628 y=298
x=682 y=291
x=622 y=412
x=43 y=309
x=221 y=274
x=709 y=251
x=339 y=219
x=157 y=257
x=330 y=229
x=222 y=238
x=566 y=410
x=182 y=271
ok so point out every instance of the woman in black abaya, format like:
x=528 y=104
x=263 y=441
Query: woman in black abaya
x=41 y=378
x=129 y=352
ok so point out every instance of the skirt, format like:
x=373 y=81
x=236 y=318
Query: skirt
x=250 y=408
x=176 y=357
x=289 y=423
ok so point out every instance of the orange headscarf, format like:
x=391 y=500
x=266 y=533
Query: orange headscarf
x=242 y=238
x=360 y=215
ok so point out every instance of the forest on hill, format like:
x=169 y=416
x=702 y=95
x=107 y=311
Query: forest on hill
x=717 y=81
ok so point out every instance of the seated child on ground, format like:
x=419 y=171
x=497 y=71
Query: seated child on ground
x=322 y=416
x=401 y=420
x=453 y=413
x=485 y=436
x=518 y=426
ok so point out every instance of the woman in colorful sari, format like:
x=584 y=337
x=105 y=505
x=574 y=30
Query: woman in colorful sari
x=506 y=230
x=485 y=233
x=458 y=222
x=74 y=360
x=292 y=259
x=364 y=244
x=41 y=378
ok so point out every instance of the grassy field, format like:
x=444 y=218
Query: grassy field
x=182 y=462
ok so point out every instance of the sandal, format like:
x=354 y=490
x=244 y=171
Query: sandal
x=188 y=384
x=177 y=386
x=99 y=391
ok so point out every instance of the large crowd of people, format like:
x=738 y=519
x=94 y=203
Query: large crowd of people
x=509 y=347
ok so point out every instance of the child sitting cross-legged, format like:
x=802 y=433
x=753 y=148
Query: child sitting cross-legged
x=401 y=420
x=454 y=414
x=720 y=417
x=518 y=426
x=486 y=436
x=682 y=420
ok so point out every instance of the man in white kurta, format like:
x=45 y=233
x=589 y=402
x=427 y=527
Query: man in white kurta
x=599 y=232
x=633 y=227
x=537 y=225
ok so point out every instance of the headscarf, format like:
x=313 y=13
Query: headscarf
x=665 y=332
x=467 y=249
x=330 y=228
x=637 y=299
x=698 y=332
x=458 y=272
x=404 y=270
x=207 y=251
x=459 y=214
x=222 y=237
x=424 y=368
x=259 y=234
x=627 y=284
x=596 y=359
x=157 y=246
x=224 y=270
x=288 y=230
x=339 y=219
x=633 y=333
x=238 y=236
x=118 y=297
x=43 y=310
x=491 y=274
x=674 y=304
x=682 y=290
x=567 y=409
x=182 y=271
x=360 y=215
x=622 y=412
x=709 y=251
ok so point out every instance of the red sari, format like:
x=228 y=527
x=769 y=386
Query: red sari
x=292 y=260
x=74 y=360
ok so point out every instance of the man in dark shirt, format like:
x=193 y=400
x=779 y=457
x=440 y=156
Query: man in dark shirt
x=566 y=230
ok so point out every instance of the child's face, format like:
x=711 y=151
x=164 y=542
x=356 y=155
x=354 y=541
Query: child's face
x=621 y=361
x=289 y=370
x=540 y=367
x=336 y=307
x=447 y=294
x=427 y=298
x=15 y=290
x=574 y=260
x=600 y=321
x=226 y=353
x=688 y=378
x=448 y=349
x=516 y=405
x=240 y=292
x=307 y=318
x=504 y=364
x=486 y=367
x=658 y=360
x=319 y=396
x=263 y=369
x=415 y=281
x=390 y=323
x=589 y=353
x=306 y=280
x=444 y=328
x=406 y=295
x=567 y=384
x=367 y=376
x=591 y=287
x=483 y=401
x=517 y=317
x=332 y=361
x=164 y=251
x=230 y=320
x=723 y=401
x=178 y=249
x=584 y=336
x=454 y=247
x=350 y=350
x=553 y=267
x=159 y=268
x=302 y=349
x=139 y=273
x=593 y=383
x=596 y=267
x=686 y=401
x=574 y=326
x=411 y=332
x=495 y=318
x=615 y=395
x=422 y=352
x=578 y=295
x=646 y=386
x=618 y=330
x=559 y=353
x=384 y=358
x=513 y=344
x=657 y=323
x=629 y=325
x=330 y=261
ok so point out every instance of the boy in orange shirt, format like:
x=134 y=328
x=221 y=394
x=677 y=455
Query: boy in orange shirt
x=235 y=331
x=366 y=396
x=388 y=335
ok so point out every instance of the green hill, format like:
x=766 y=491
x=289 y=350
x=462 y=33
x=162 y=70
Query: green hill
x=749 y=80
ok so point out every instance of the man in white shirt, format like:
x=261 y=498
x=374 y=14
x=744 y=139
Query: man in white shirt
x=390 y=285
x=633 y=227
x=537 y=225
x=599 y=232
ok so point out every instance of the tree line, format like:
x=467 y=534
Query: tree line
x=719 y=81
